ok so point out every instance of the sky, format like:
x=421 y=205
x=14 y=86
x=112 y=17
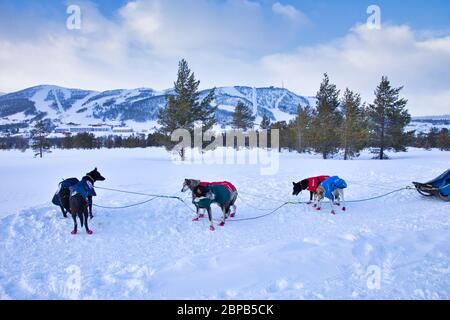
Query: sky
x=131 y=44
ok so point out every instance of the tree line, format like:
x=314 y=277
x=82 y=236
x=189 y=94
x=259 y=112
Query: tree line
x=337 y=123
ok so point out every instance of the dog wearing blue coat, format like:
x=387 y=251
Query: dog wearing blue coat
x=332 y=189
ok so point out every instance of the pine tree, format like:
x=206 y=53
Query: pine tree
x=243 y=117
x=301 y=128
x=265 y=123
x=389 y=117
x=327 y=119
x=443 y=140
x=354 y=129
x=39 y=141
x=184 y=110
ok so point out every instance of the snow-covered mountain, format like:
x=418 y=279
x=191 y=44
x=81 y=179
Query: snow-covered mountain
x=134 y=107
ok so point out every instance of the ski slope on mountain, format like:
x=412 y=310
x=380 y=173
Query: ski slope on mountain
x=394 y=247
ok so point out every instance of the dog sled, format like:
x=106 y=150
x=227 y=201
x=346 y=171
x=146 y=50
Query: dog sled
x=438 y=187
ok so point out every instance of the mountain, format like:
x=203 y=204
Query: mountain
x=136 y=107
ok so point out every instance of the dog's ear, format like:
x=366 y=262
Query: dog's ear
x=293 y=183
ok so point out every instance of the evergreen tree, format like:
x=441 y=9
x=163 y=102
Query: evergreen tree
x=184 y=110
x=265 y=123
x=443 y=140
x=39 y=142
x=286 y=138
x=327 y=119
x=389 y=117
x=354 y=129
x=243 y=117
x=301 y=128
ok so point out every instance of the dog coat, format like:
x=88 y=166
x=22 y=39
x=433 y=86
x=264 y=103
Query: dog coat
x=226 y=184
x=331 y=184
x=314 y=182
x=63 y=185
x=218 y=192
x=85 y=189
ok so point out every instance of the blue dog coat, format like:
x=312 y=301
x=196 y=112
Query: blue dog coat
x=331 y=184
x=66 y=184
x=85 y=189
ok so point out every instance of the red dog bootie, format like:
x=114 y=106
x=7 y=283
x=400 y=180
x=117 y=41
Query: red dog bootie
x=318 y=208
x=221 y=224
x=201 y=216
x=233 y=215
x=195 y=219
x=333 y=212
x=212 y=228
x=89 y=232
x=73 y=232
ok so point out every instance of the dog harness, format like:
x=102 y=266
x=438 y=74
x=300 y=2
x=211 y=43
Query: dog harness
x=331 y=184
x=314 y=182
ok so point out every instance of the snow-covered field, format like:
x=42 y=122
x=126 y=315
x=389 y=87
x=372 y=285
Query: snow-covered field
x=396 y=247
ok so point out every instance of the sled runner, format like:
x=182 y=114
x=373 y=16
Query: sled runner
x=439 y=187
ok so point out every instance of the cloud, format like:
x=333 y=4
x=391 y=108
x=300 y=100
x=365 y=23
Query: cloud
x=226 y=43
x=363 y=56
x=287 y=11
x=141 y=44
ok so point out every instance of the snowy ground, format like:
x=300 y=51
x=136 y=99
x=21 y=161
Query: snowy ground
x=396 y=247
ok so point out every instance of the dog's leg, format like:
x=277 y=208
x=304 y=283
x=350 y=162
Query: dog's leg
x=344 y=208
x=90 y=207
x=316 y=202
x=336 y=195
x=232 y=204
x=64 y=212
x=332 y=205
x=225 y=212
x=198 y=214
x=86 y=215
x=211 y=226
x=201 y=215
x=311 y=195
x=75 y=227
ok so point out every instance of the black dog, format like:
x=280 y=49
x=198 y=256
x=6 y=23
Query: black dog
x=62 y=195
x=309 y=184
x=80 y=200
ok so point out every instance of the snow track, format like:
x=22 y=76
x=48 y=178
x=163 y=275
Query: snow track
x=397 y=247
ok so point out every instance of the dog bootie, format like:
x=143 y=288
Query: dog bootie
x=211 y=228
x=221 y=224
x=233 y=215
x=89 y=232
x=344 y=209
x=201 y=216
x=195 y=219
x=333 y=212
x=73 y=232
